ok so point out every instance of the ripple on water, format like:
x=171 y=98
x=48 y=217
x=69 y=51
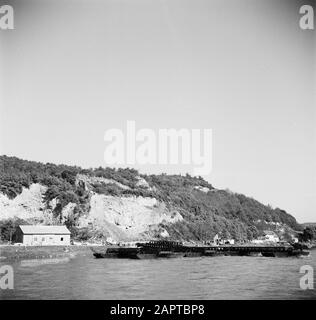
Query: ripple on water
x=186 y=278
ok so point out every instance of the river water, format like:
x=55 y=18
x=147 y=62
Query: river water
x=85 y=277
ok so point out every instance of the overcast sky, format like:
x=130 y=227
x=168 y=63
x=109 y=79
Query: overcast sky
x=70 y=70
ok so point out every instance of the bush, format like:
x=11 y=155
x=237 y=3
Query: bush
x=9 y=227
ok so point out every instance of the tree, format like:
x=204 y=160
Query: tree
x=69 y=176
x=309 y=234
x=9 y=227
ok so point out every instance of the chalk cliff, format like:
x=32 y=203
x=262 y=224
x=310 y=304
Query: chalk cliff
x=124 y=205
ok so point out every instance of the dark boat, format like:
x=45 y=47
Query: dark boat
x=162 y=245
x=173 y=249
x=143 y=256
x=192 y=254
x=170 y=254
x=299 y=253
x=254 y=254
x=115 y=252
x=210 y=253
x=100 y=255
x=286 y=253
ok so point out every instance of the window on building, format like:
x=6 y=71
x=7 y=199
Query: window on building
x=61 y=239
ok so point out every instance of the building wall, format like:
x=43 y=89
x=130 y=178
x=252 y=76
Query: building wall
x=257 y=241
x=46 y=239
x=272 y=238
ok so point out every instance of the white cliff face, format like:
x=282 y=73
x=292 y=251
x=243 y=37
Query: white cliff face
x=203 y=189
x=142 y=183
x=132 y=216
x=88 y=180
x=30 y=205
x=121 y=218
x=27 y=205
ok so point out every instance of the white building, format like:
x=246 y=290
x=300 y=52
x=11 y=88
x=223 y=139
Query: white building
x=43 y=235
x=216 y=240
x=229 y=241
x=257 y=241
x=271 y=236
x=219 y=241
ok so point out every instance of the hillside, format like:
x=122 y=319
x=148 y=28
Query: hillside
x=125 y=205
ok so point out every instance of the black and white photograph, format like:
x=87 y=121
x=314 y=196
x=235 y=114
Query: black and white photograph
x=157 y=150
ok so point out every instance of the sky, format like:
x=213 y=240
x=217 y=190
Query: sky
x=70 y=70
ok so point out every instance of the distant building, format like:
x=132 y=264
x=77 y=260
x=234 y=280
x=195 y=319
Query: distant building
x=219 y=241
x=271 y=236
x=216 y=240
x=257 y=241
x=43 y=235
x=229 y=241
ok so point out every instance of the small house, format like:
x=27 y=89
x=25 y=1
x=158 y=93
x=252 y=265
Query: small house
x=39 y=235
x=216 y=240
x=229 y=241
x=257 y=241
x=271 y=236
x=268 y=237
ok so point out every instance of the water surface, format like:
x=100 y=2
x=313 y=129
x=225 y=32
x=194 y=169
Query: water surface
x=85 y=277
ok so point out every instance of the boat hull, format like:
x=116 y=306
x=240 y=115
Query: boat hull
x=170 y=254
x=99 y=255
x=144 y=256
x=164 y=249
x=192 y=254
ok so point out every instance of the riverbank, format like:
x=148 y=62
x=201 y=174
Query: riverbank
x=10 y=252
x=13 y=252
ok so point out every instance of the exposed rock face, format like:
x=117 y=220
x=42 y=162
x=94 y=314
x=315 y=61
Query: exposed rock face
x=203 y=189
x=142 y=183
x=27 y=205
x=30 y=206
x=86 y=182
x=131 y=217
x=121 y=218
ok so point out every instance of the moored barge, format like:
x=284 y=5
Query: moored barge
x=173 y=249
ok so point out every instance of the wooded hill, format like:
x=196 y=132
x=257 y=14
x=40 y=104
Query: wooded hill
x=206 y=210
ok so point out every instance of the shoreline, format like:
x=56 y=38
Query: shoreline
x=14 y=253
